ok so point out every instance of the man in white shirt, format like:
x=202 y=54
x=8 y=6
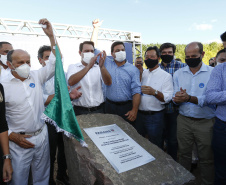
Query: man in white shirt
x=28 y=136
x=89 y=76
x=5 y=47
x=55 y=138
x=157 y=89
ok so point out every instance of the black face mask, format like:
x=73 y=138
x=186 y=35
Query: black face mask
x=193 y=62
x=151 y=63
x=167 y=58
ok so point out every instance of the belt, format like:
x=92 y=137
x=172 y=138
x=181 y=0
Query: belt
x=195 y=119
x=33 y=133
x=149 y=112
x=91 y=109
x=119 y=103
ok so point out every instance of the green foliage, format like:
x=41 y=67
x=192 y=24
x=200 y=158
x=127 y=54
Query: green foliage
x=209 y=49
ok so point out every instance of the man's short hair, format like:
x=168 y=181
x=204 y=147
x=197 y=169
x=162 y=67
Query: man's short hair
x=85 y=42
x=9 y=56
x=42 y=49
x=139 y=58
x=167 y=45
x=116 y=44
x=1 y=43
x=154 y=48
x=199 y=45
x=223 y=37
x=178 y=59
x=219 y=52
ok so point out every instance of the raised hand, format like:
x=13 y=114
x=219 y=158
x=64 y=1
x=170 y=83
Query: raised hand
x=92 y=62
x=97 y=23
x=102 y=58
x=48 y=30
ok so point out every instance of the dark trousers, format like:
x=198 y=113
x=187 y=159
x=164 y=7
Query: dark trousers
x=80 y=111
x=219 y=151
x=152 y=125
x=120 y=110
x=170 y=133
x=1 y=168
x=56 y=141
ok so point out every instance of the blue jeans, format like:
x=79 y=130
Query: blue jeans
x=152 y=125
x=219 y=151
x=170 y=133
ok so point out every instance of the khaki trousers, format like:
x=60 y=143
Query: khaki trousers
x=199 y=131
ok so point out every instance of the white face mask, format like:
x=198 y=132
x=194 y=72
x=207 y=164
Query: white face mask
x=3 y=58
x=218 y=63
x=120 y=56
x=87 y=57
x=46 y=62
x=23 y=70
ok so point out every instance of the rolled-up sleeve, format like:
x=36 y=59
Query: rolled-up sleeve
x=47 y=72
x=167 y=89
x=136 y=84
x=215 y=94
x=3 y=122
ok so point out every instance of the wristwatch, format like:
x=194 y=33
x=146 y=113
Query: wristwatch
x=156 y=93
x=7 y=156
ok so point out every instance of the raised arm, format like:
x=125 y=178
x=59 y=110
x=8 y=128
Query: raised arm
x=96 y=25
x=47 y=72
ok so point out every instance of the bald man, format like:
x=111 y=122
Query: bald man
x=29 y=145
x=196 y=119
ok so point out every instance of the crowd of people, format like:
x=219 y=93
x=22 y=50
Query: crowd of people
x=175 y=105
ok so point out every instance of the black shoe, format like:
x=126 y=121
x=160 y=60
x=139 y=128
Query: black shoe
x=62 y=180
x=193 y=166
x=52 y=182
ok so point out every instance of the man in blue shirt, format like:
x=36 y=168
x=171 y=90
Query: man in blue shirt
x=196 y=119
x=216 y=95
x=123 y=95
x=170 y=65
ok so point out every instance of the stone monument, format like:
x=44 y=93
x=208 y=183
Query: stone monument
x=88 y=166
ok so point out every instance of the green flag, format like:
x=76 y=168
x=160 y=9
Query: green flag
x=60 y=112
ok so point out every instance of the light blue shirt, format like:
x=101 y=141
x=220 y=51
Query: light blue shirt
x=195 y=85
x=216 y=90
x=125 y=81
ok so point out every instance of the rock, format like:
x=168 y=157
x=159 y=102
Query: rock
x=88 y=166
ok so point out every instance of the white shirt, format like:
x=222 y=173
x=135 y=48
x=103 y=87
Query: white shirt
x=49 y=88
x=4 y=73
x=91 y=86
x=159 y=80
x=24 y=100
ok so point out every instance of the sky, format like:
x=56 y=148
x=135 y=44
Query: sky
x=176 y=21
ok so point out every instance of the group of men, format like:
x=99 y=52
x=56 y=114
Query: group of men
x=169 y=102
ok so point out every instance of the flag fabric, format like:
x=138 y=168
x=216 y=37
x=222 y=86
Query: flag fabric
x=60 y=112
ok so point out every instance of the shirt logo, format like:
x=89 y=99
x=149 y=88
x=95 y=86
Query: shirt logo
x=32 y=85
x=201 y=85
